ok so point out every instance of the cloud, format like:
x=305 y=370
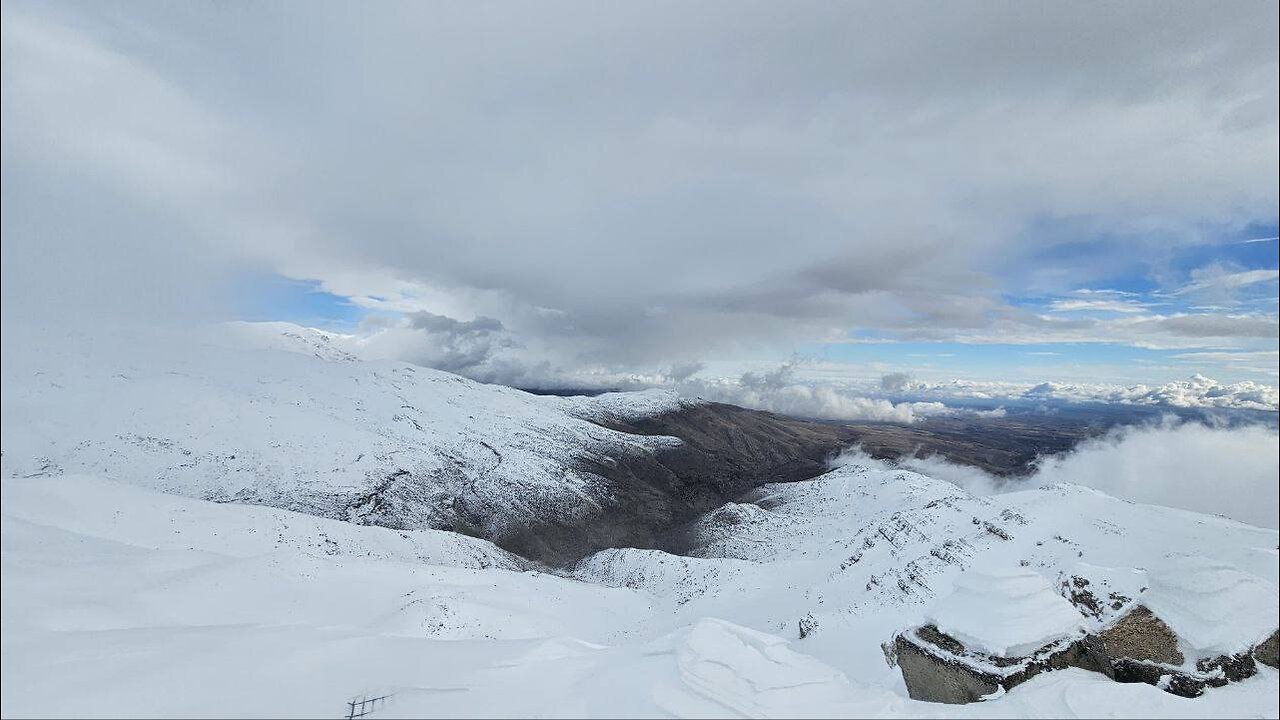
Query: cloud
x=1215 y=277
x=895 y=382
x=827 y=402
x=1230 y=472
x=1120 y=306
x=1221 y=471
x=1198 y=392
x=633 y=188
x=679 y=372
x=423 y=320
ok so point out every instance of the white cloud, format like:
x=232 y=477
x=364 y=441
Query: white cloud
x=1230 y=472
x=1222 y=471
x=779 y=391
x=1215 y=277
x=1120 y=306
x=1197 y=392
x=635 y=188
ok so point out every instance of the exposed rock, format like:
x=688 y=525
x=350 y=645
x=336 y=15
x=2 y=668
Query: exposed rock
x=1103 y=595
x=939 y=668
x=1266 y=651
x=1140 y=635
x=1220 y=670
x=808 y=625
x=1141 y=647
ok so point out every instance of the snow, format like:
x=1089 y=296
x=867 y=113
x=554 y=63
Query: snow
x=389 y=442
x=133 y=516
x=133 y=602
x=181 y=535
x=1009 y=612
x=288 y=337
x=1214 y=607
x=622 y=406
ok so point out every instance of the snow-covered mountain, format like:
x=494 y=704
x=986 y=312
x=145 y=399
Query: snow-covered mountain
x=278 y=417
x=382 y=443
x=266 y=532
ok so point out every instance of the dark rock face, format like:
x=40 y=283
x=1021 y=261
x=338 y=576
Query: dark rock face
x=1092 y=601
x=939 y=668
x=1266 y=651
x=1219 y=671
x=726 y=451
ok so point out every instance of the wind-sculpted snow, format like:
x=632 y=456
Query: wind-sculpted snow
x=1213 y=607
x=1010 y=611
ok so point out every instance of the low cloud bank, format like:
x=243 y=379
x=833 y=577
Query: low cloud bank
x=779 y=391
x=1198 y=392
x=1222 y=471
x=484 y=349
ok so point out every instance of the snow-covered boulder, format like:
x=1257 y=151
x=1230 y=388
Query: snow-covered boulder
x=1214 y=607
x=939 y=668
x=999 y=628
x=1008 y=612
x=1200 y=625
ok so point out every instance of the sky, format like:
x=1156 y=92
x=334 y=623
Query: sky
x=576 y=194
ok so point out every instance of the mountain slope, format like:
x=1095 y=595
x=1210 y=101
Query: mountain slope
x=392 y=444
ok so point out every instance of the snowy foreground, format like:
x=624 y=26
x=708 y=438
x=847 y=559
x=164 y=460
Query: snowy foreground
x=127 y=592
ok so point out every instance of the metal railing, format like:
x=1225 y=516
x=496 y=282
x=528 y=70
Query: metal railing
x=364 y=706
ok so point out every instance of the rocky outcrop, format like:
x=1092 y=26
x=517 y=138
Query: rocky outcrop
x=1266 y=651
x=1095 y=593
x=939 y=668
x=1139 y=636
x=1140 y=647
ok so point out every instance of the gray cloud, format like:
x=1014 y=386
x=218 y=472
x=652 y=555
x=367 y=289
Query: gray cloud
x=679 y=372
x=472 y=347
x=423 y=320
x=636 y=187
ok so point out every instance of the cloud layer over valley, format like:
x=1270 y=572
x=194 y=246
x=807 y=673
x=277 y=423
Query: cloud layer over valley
x=1231 y=472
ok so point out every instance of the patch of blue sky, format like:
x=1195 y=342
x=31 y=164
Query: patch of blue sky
x=263 y=297
x=1236 y=251
x=1033 y=363
x=1067 y=254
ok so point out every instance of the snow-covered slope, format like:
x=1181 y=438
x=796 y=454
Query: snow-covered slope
x=850 y=558
x=135 y=516
x=135 y=603
x=374 y=442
